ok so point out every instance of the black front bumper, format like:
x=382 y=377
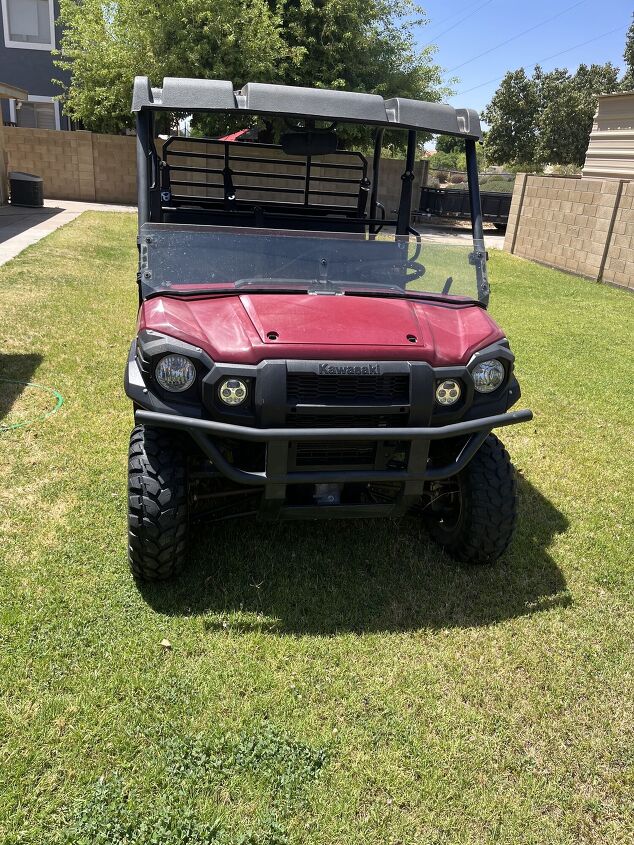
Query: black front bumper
x=278 y=430
x=203 y=433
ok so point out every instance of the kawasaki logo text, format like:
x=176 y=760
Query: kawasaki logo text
x=349 y=370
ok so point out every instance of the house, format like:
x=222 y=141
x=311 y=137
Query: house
x=28 y=35
x=610 y=153
x=7 y=92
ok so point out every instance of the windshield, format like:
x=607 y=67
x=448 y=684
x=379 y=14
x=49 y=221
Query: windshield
x=184 y=259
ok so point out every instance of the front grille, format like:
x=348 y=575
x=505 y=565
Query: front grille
x=313 y=389
x=344 y=453
x=346 y=420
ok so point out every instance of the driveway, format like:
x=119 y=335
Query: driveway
x=456 y=234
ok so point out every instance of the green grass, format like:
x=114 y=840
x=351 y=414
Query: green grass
x=326 y=683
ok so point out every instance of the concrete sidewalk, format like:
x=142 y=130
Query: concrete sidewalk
x=20 y=226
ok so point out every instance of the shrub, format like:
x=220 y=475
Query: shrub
x=441 y=176
x=565 y=170
x=524 y=167
x=461 y=161
x=501 y=185
x=444 y=161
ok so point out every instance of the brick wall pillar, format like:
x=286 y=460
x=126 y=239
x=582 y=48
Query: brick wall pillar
x=618 y=258
x=420 y=178
x=85 y=165
x=424 y=171
x=514 y=213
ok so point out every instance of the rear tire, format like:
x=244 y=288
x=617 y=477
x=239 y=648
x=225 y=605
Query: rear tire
x=157 y=504
x=477 y=522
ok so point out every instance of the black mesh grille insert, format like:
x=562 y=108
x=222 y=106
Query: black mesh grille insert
x=346 y=420
x=340 y=454
x=313 y=389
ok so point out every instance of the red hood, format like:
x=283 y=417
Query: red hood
x=234 y=329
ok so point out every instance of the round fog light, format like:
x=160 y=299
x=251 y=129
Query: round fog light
x=488 y=376
x=175 y=373
x=232 y=391
x=448 y=392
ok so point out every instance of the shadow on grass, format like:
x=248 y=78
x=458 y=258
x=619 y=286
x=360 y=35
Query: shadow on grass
x=13 y=370
x=16 y=219
x=324 y=578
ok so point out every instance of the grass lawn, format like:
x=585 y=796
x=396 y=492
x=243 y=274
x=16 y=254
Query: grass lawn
x=326 y=683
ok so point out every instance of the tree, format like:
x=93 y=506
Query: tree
x=456 y=158
x=512 y=118
x=444 y=161
x=105 y=44
x=361 y=45
x=354 y=45
x=449 y=144
x=568 y=107
x=546 y=118
x=627 y=83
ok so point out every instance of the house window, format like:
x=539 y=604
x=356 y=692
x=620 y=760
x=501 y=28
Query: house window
x=29 y=24
x=38 y=114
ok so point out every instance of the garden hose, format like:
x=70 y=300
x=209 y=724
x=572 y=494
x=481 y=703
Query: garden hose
x=58 y=404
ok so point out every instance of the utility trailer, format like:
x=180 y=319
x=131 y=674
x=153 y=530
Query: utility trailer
x=454 y=203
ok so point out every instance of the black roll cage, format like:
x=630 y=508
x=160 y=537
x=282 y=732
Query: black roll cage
x=155 y=178
x=158 y=203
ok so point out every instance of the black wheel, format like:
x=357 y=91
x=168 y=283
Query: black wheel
x=473 y=515
x=501 y=227
x=157 y=504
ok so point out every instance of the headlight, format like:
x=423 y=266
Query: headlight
x=448 y=392
x=488 y=376
x=175 y=373
x=232 y=391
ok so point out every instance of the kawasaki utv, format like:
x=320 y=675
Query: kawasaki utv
x=302 y=352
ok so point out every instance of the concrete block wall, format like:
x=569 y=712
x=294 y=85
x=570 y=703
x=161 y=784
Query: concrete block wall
x=76 y=165
x=63 y=159
x=516 y=203
x=102 y=168
x=619 y=263
x=573 y=224
x=390 y=183
x=114 y=168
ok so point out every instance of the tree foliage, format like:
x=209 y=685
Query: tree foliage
x=546 y=118
x=106 y=43
x=627 y=83
x=454 y=158
x=362 y=45
x=512 y=119
x=449 y=144
x=568 y=105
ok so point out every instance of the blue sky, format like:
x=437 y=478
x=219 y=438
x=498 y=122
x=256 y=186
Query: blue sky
x=490 y=22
